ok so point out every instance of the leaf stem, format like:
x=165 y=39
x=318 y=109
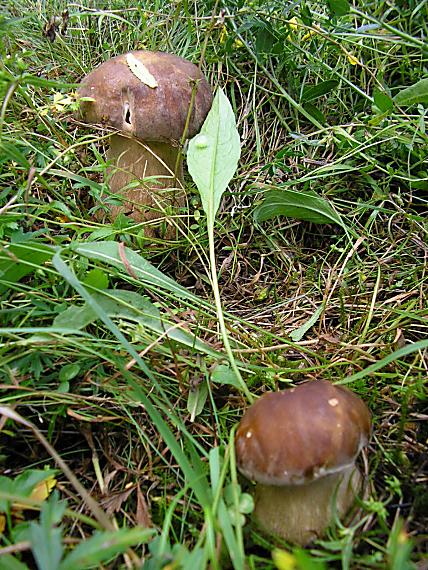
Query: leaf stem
x=220 y=316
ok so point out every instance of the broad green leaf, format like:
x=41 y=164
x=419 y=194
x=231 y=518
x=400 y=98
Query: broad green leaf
x=96 y=278
x=68 y=372
x=213 y=154
x=46 y=536
x=11 y=151
x=20 y=259
x=130 y=262
x=222 y=374
x=306 y=206
x=315 y=112
x=339 y=7
x=75 y=318
x=105 y=545
x=9 y=562
x=232 y=493
x=246 y=503
x=101 y=233
x=416 y=93
x=196 y=400
x=300 y=332
x=58 y=206
x=265 y=39
x=215 y=462
x=312 y=92
x=7 y=490
x=382 y=101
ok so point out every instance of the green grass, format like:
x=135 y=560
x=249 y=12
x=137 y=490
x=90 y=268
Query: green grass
x=143 y=418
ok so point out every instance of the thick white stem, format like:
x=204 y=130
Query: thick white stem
x=302 y=513
x=150 y=172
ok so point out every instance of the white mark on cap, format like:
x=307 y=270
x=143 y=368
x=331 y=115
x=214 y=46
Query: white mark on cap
x=249 y=434
x=333 y=402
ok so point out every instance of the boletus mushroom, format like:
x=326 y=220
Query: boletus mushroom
x=299 y=446
x=152 y=99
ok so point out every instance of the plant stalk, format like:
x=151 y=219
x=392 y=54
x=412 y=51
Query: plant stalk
x=220 y=316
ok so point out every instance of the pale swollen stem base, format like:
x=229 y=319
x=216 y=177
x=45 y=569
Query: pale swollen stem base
x=143 y=176
x=220 y=316
x=302 y=513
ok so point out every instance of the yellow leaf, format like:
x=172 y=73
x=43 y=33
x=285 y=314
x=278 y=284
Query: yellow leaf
x=2 y=523
x=40 y=493
x=43 y=489
x=293 y=24
x=308 y=35
x=223 y=35
x=140 y=70
x=352 y=59
x=283 y=560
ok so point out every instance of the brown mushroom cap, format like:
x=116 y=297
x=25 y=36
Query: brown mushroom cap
x=128 y=104
x=299 y=435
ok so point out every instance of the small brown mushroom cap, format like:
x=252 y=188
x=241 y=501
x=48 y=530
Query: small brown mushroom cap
x=302 y=434
x=151 y=113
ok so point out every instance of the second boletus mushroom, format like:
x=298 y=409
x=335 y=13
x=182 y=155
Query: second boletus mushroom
x=299 y=446
x=152 y=99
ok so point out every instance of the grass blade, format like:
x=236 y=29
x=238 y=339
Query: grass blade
x=397 y=354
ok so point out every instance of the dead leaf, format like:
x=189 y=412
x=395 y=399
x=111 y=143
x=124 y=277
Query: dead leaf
x=56 y=24
x=142 y=515
x=140 y=70
x=43 y=489
x=113 y=503
x=97 y=419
